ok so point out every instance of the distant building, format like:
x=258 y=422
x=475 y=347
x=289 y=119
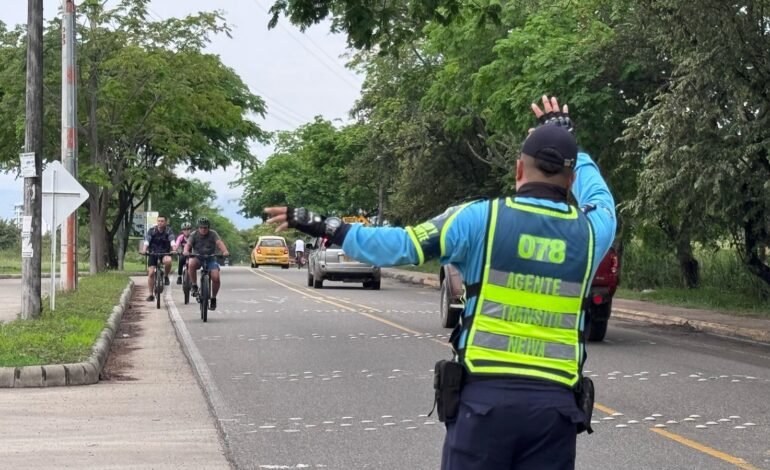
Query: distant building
x=18 y=213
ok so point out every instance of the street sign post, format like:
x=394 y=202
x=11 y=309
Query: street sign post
x=62 y=195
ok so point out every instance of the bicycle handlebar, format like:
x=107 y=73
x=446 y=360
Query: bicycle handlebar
x=158 y=254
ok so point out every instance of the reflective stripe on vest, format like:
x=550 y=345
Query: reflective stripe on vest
x=528 y=313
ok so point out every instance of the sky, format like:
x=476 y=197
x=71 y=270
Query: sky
x=299 y=75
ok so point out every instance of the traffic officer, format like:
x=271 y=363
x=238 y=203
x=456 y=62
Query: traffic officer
x=527 y=262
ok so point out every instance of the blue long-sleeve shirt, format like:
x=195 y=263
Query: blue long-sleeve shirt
x=463 y=240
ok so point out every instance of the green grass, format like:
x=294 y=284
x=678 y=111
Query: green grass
x=431 y=266
x=707 y=298
x=67 y=334
x=10 y=263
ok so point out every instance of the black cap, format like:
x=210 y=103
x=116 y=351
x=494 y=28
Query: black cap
x=553 y=144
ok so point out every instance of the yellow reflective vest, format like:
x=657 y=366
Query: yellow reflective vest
x=529 y=313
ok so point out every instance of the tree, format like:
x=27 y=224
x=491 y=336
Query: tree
x=708 y=125
x=385 y=25
x=309 y=168
x=151 y=101
x=9 y=235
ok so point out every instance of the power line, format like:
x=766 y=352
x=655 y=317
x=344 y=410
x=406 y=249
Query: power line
x=313 y=54
x=288 y=111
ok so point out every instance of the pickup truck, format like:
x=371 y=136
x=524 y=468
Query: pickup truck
x=599 y=304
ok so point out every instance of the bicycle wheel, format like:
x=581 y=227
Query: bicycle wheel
x=158 y=287
x=204 y=296
x=185 y=286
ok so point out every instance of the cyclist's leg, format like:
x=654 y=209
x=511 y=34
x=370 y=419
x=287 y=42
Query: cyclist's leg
x=192 y=268
x=167 y=264
x=215 y=279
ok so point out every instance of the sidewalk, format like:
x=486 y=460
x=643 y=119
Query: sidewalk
x=10 y=297
x=149 y=413
x=708 y=321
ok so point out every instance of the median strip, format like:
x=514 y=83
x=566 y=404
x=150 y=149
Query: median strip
x=68 y=346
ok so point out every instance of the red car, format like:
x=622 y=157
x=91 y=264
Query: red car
x=600 y=295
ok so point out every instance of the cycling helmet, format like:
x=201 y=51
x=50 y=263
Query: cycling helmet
x=204 y=222
x=186 y=226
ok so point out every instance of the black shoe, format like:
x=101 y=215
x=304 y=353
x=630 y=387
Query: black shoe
x=150 y=298
x=166 y=280
x=213 y=304
x=179 y=280
x=194 y=290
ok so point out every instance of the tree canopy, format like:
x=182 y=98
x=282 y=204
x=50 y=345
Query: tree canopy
x=151 y=102
x=670 y=98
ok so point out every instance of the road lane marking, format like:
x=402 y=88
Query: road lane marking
x=334 y=302
x=737 y=461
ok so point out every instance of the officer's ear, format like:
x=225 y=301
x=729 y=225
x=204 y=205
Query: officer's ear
x=571 y=180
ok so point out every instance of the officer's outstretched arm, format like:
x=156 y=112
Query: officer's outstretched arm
x=593 y=196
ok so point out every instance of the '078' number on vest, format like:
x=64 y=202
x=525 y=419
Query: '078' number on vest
x=549 y=250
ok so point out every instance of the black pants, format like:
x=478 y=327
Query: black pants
x=502 y=426
x=182 y=261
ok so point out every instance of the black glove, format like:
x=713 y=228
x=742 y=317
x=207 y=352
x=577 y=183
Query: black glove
x=306 y=221
x=558 y=118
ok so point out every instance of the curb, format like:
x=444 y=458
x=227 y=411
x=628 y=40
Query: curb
x=81 y=373
x=430 y=280
x=721 y=329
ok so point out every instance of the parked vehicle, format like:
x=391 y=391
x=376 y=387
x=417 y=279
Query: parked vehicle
x=602 y=290
x=331 y=264
x=598 y=310
x=270 y=249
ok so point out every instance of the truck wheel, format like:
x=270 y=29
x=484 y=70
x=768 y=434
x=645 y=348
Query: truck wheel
x=449 y=316
x=309 y=279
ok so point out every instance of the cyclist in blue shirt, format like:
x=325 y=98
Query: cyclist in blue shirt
x=527 y=262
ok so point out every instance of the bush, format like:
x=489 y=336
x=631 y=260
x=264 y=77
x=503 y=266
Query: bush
x=10 y=235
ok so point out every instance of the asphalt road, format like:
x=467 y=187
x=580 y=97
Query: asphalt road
x=341 y=378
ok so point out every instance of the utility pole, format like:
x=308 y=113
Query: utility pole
x=33 y=143
x=69 y=143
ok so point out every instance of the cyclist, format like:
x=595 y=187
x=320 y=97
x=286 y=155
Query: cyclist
x=181 y=241
x=299 y=251
x=205 y=241
x=159 y=239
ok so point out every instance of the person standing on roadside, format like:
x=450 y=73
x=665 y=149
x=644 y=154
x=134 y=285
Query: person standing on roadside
x=513 y=397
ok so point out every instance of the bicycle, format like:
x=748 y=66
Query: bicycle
x=204 y=292
x=160 y=275
x=300 y=259
x=186 y=285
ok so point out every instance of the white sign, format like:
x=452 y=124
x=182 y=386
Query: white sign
x=26 y=245
x=62 y=194
x=28 y=165
x=26 y=224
